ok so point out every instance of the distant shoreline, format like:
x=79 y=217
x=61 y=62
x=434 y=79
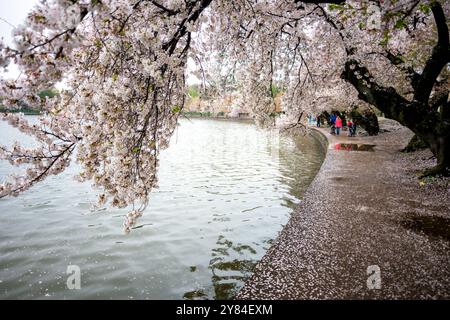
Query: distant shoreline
x=197 y=115
x=27 y=112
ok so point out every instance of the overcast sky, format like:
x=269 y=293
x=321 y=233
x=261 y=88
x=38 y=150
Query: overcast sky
x=12 y=12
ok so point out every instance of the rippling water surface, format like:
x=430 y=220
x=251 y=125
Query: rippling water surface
x=226 y=190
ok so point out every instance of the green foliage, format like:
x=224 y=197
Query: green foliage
x=400 y=59
x=425 y=8
x=275 y=90
x=176 y=109
x=400 y=24
x=48 y=93
x=24 y=110
x=40 y=18
x=193 y=92
x=334 y=6
x=385 y=40
x=197 y=114
x=135 y=149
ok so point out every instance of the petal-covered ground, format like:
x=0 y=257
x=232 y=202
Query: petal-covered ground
x=366 y=221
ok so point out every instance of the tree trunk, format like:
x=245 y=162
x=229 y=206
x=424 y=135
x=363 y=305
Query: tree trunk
x=416 y=143
x=427 y=117
x=367 y=120
x=432 y=124
x=440 y=146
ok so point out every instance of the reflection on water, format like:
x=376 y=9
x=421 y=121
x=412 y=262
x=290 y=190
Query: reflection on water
x=226 y=189
x=229 y=267
x=354 y=147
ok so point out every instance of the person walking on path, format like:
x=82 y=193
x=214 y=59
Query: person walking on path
x=333 y=122
x=338 y=125
x=350 y=127
x=318 y=121
x=353 y=128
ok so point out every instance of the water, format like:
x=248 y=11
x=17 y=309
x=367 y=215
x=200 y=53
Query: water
x=226 y=190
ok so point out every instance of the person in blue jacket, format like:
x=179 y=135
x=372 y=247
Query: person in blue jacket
x=333 y=123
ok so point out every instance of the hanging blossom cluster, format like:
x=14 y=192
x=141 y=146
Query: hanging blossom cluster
x=123 y=64
x=301 y=48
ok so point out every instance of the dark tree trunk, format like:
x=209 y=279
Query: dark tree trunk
x=431 y=124
x=440 y=146
x=416 y=143
x=326 y=115
x=367 y=120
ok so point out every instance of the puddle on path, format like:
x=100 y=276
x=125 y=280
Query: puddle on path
x=429 y=225
x=354 y=147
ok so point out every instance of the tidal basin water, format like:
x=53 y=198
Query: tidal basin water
x=226 y=190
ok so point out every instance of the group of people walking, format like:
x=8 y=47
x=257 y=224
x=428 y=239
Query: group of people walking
x=336 y=124
x=314 y=120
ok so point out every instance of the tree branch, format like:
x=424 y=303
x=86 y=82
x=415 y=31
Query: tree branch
x=338 y=27
x=385 y=99
x=439 y=57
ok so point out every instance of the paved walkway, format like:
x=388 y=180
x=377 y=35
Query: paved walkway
x=354 y=215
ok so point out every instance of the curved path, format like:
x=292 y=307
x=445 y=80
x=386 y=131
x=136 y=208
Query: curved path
x=358 y=213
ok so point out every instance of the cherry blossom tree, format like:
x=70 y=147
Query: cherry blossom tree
x=392 y=55
x=125 y=80
x=123 y=67
x=420 y=103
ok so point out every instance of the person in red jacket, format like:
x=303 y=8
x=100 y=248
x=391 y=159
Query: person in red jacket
x=338 y=125
x=350 y=126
